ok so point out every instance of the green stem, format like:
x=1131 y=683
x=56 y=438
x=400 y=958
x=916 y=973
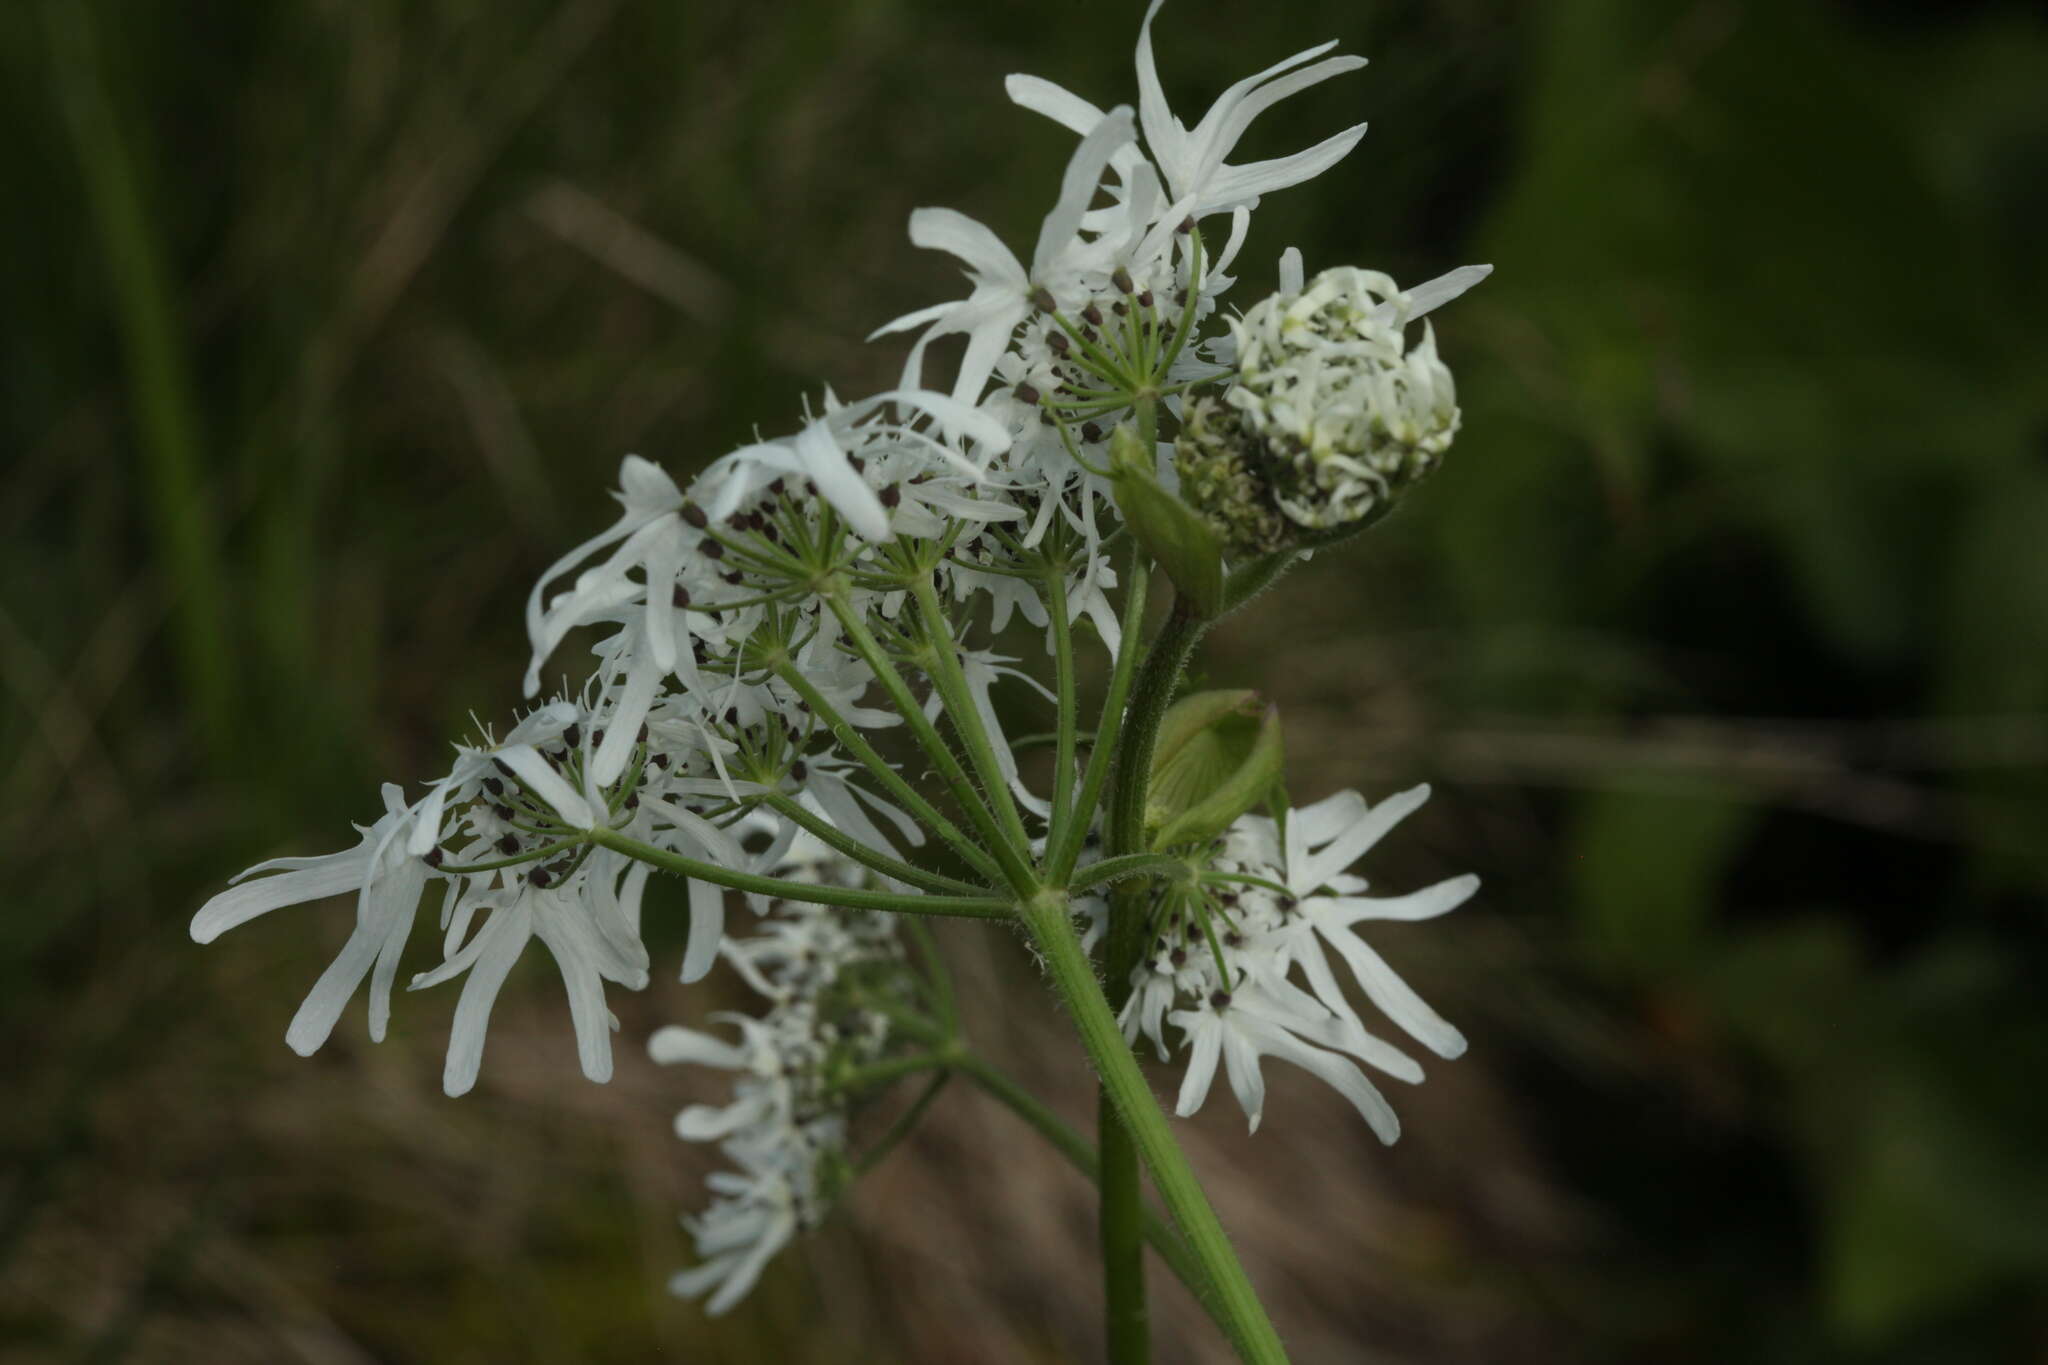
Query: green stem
x=913 y=801
x=1150 y=696
x=951 y=680
x=1067 y=840
x=1124 y=865
x=1075 y=1148
x=874 y=859
x=905 y=1122
x=1119 y=1224
x=968 y=907
x=1010 y=859
x=1063 y=664
x=1237 y=1305
x=895 y=1069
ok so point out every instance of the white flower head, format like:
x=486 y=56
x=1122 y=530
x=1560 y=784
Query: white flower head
x=1242 y=969
x=1347 y=412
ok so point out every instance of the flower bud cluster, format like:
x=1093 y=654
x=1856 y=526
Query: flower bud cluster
x=1348 y=415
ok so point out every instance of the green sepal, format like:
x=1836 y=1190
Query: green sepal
x=1177 y=537
x=1219 y=754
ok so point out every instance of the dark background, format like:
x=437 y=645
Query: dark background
x=1721 y=635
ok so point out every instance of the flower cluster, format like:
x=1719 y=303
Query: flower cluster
x=1271 y=901
x=786 y=1128
x=760 y=628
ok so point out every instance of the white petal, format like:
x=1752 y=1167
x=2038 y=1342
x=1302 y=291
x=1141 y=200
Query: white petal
x=1351 y=844
x=707 y=928
x=826 y=465
x=955 y=233
x=1243 y=184
x=1078 y=184
x=549 y=785
x=323 y=1005
x=1433 y=294
x=504 y=939
x=322 y=877
x=1291 y=277
x=673 y=1044
x=1205 y=1031
x=1060 y=105
x=586 y=997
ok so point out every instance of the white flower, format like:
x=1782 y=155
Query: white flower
x=785 y=1128
x=1198 y=180
x=1271 y=905
x=757 y=1210
x=820 y=453
x=1003 y=288
x=564 y=919
x=387 y=881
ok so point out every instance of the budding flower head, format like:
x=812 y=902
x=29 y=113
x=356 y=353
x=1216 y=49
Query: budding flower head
x=1335 y=415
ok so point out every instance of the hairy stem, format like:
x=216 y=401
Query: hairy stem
x=1016 y=870
x=873 y=859
x=893 y=781
x=1076 y=1149
x=947 y=676
x=1066 y=841
x=1237 y=1305
x=959 y=907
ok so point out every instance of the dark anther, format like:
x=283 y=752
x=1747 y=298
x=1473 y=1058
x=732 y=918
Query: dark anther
x=494 y=786
x=433 y=857
x=1233 y=940
x=694 y=514
x=799 y=770
x=1092 y=315
x=777 y=487
x=732 y=715
x=1119 y=308
x=660 y=761
x=573 y=736
x=540 y=876
x=640 y=736
x=1027 y=394
x=1145 y=299
x=1122 y=280
x=502 y=768
x=1220 y=1000
x=860 y=466
x=1178 y=957
x=711 y=549
x=503 y=812
x=1187 y=224
x=891 y=495
x=508 y=844
x=679 y=596
x=1058 y=341
x=632 y=800
x=1090 y=432
x=735 y=577
x=1043 y=301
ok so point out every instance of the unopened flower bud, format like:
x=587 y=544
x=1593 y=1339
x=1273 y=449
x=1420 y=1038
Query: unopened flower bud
x=1348 y=414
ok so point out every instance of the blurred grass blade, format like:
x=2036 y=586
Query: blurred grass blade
x=159 y=379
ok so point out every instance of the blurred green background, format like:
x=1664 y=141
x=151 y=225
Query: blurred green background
x=1723 y=636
